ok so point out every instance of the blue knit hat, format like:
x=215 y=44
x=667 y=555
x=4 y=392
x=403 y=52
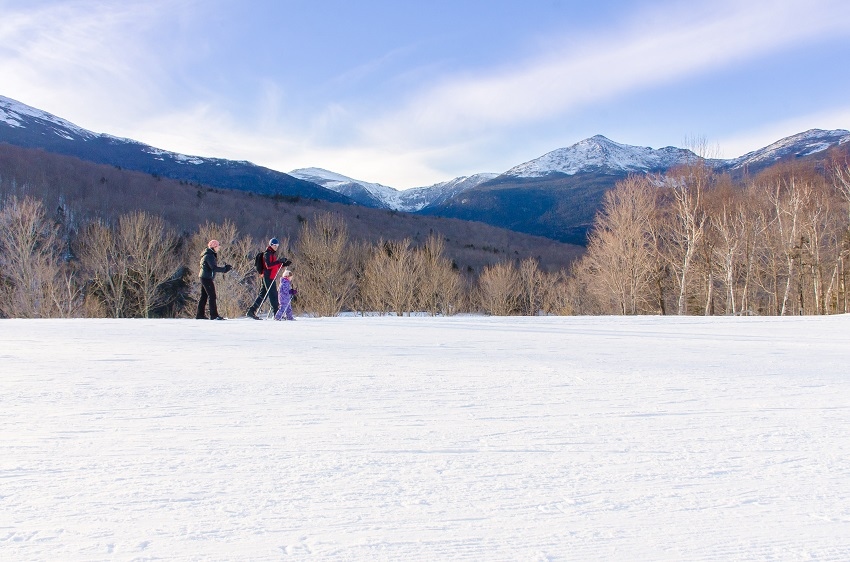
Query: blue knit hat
x=274 y=242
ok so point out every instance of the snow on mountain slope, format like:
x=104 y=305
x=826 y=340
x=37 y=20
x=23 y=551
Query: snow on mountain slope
x=27 y=127
x=365 y=193
x=17 y=114
x=21 y=116
x=418 y=198
x=802 y=144
x=597 y=154
x=600 y=154
x=410 y=200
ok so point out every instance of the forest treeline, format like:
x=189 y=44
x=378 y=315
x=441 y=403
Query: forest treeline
x=694 y=242
x=139 y=268
x=686 y=242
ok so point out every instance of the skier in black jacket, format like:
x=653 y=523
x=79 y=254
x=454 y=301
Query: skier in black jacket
x=209 y=267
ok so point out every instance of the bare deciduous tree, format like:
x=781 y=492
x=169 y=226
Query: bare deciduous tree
x=36 y=282
x=788 y=198
x=152 y=259
x=107 y=268
x=841 y=182
x=620 y=262
x=556 y=294
x=530 y=295
x=392 y=277
x=127 y=265
x=440 y=286
x=324 y=265
x=498 y=287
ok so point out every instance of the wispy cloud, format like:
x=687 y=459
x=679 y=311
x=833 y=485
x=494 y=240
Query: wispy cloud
x=639 y=55
x=205 y=131
x=84 y=57
x=451 y=120
x=106 y=66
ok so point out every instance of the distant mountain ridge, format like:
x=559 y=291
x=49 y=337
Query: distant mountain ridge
x=28 y=127
x=597 y=155
x=382 y=196
x=559 y=194
x=556 y=195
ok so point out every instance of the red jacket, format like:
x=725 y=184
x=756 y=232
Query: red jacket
x=272 y=263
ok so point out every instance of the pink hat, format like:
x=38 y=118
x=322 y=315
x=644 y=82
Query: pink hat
x=213 y=244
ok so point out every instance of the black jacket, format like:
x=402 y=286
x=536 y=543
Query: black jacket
x=209 y=265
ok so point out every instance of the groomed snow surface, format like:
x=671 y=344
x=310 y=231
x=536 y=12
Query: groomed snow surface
x=464 y=438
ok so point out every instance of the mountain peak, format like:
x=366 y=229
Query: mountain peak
x=601 y=155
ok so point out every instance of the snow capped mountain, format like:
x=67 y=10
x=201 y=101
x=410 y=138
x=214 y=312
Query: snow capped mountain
x=365 y=193
x=799 y=145
x=25 y=126
x=600 y=154
x=382 y=196
x=21 y=116
x=15 y=114
x=420 y=197
x=540 y=184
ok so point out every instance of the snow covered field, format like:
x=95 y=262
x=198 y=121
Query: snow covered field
x=466 y=438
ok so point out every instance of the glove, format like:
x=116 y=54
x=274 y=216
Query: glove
x=286 y=263
x=227 y=267
x=293 y=291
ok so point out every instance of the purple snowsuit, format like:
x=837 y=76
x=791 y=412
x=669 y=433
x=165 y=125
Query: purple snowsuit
x=285 y=300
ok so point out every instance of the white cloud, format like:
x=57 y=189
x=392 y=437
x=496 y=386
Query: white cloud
x=205 y=131
x=95 y=63
x=88 y=61
x=625 y=60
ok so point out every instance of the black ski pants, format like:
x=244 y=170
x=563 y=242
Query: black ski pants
x=207 y=292
x=269 y=286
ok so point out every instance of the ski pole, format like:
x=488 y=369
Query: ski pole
x=269 y=290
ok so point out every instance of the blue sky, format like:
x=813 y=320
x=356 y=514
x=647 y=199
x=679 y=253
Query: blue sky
x=412 y=93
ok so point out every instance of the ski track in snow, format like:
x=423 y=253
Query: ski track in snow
x=464 y=438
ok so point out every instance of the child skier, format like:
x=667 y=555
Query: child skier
x=285 y=296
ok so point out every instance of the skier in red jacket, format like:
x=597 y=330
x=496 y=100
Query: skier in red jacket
x=271 y=265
